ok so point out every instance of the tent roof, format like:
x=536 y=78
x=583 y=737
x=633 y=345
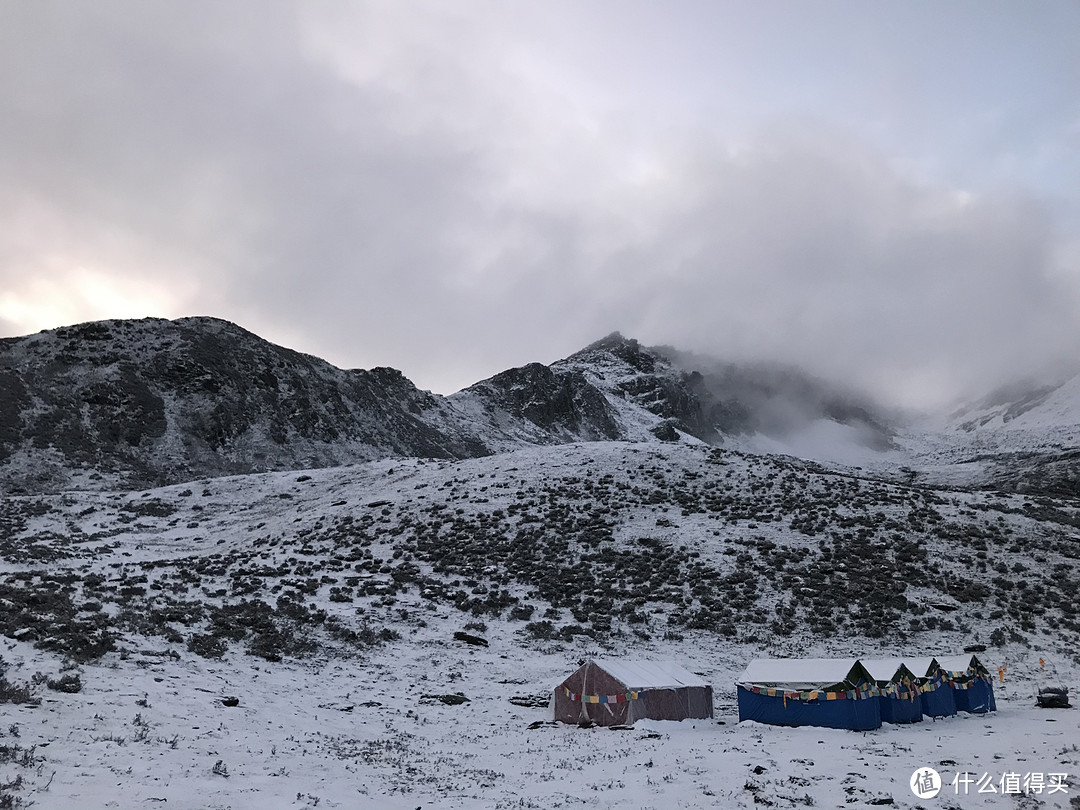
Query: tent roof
x=960 y=663
x=885 y=669
x=637 y=674
x=921 y=666
x=803 y=673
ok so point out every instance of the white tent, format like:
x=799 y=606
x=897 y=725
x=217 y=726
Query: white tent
x=650 y=674
x=798 y=673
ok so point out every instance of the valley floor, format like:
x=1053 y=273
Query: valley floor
x=166 y=602
x=152 y=731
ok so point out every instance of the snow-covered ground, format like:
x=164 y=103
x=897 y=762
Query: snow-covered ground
x=359 y=733
x=364 y=726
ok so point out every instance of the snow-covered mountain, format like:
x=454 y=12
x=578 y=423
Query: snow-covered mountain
x=1026 y=406
x=134 y=403
x=151 y=402
x=614 y=390
x=1023 y=438
x=137 y=403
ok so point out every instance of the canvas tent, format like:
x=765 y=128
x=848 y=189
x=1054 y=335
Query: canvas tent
x=971 y=684
x=935 y=696
x=900 y=700
x=829 y=692
x=612 y=692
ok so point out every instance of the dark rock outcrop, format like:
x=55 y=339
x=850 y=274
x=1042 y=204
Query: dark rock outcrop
x=153 y=401
x=562 y=403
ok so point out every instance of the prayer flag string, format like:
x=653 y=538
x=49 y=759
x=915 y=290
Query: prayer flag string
x=623 y=698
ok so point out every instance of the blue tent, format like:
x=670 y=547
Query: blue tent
x=829 y=692
x=935 y=696
x=971 y=684
x=900 y=699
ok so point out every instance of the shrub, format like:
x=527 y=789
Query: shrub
x=542 y=630
x=276 y=642
x=69 y=683
x=15 y=693
x=207 y=646
x=10 y=692
x=522 y=613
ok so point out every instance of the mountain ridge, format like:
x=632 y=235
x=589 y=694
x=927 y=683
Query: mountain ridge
x=152 y=401
x=135 y=403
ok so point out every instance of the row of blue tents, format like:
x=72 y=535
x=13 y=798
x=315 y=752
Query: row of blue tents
x=861 y=694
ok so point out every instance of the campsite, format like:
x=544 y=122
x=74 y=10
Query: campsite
x=390 y=686
x=824 y=692
x=309 y=735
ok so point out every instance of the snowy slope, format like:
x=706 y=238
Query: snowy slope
x=1028 y=408
x=1024 y=438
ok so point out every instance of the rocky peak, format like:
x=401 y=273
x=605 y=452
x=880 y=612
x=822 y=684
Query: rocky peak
x=622 y=348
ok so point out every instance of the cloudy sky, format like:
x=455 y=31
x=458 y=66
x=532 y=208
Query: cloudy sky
x=885 y=193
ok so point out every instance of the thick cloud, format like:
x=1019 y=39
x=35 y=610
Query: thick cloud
x=456 y=188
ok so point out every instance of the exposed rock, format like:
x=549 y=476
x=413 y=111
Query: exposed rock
x=338 y=707
x=665 y=432
x=468 y=638
x=531 y=701
x=449 y=700
x=563 y=404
